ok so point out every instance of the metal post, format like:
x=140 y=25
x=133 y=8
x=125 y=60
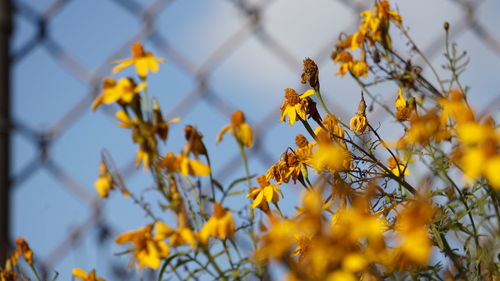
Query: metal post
x=5 y=124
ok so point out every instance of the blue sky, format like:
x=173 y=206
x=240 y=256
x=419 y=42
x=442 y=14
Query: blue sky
x=251 y=77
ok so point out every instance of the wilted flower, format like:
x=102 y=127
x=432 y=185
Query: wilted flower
x=358 y=122
x=23 y=249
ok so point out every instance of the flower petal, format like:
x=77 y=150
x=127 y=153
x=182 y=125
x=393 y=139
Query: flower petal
x=121 y=65
x=79 y=273
x=309 y=92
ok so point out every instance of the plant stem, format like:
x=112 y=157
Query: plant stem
x=210 y=175
x=145 y=102
x=320 y=98
x=212 y=261
x=309 y=129
x=245 y=162
x=35 y=272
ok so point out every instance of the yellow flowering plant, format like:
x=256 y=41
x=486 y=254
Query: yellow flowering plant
x=423 y=206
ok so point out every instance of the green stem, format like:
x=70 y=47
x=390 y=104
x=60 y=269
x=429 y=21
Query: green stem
x=35 y=272
x=309 y=183
x=145 y=102
x=278 y=208
x=197 y=197
x=309 y=129
x=320 y=98
x=245 y=162
x=210 y=175
x=228 y=254
x=212 y=261
x=469 y=210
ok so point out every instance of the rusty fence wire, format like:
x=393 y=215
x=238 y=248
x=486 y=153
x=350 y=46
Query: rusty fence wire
x=245 y=31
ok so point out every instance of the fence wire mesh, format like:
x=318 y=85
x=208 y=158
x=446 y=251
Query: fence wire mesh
x=221 y=56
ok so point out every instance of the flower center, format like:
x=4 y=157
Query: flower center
x=292 y=98
x=237 y=118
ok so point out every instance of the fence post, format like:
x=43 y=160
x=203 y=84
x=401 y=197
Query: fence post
x=5 y=125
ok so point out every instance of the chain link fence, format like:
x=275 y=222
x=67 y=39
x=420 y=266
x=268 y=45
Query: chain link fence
x=222 y=55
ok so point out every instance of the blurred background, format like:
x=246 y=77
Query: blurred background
x=222 y=56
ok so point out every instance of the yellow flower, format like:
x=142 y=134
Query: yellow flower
x=295 y=107
x=471 y=160
x=105 y=181
x=125 y=120
x=192 y=167
x=412 y=230
x=358 y=122
x=81 y=274
x=147 y=251
x=142 y=60
x=143 y=156
x=23 y=248
x=359 y=68
x=178 y=237
x=400 y=101
x=403 y=107
x=357 y=223
x=7 y=273
x=376 y=21
x=385 y=12
x=425 y=128
x=473 y=133
x=239 y=129
x=333 y=133
x=277 y=242
x=345 y=59
x=397 y=166
x=303 y=241
x=265 y=193
x=355 y=41
x=331 y=157
x=456 y=107
x=124 y=91
x=479 y=143
x=354 y=262
x=348 y=64
x=341 y=275
x=183 y=165
x=491 y=171
x=220 y=225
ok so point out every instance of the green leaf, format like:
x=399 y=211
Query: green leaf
x=236 y=193
x=237 y=181
x=437 y=236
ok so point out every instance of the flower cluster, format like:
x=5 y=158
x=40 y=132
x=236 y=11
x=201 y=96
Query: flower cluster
x=375 y=205
x=374 y=27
